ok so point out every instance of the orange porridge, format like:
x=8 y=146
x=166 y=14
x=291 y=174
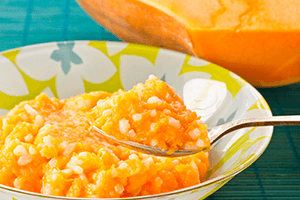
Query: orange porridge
x=49 y=147
x=151 y=114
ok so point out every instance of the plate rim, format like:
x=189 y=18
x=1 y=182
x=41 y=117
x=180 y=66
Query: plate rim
x=216 y=180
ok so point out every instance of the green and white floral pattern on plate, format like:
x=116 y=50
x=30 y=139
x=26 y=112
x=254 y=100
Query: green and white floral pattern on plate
x=70 y=64
x=64 y=69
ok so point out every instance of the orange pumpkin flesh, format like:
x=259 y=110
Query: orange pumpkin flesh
x=257 y=39
x=263 y=58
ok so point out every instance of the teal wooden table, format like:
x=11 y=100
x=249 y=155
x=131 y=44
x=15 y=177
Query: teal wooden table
x=275 y=175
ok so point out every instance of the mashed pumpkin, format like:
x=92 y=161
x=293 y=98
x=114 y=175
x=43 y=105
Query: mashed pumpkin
x=151 y=114
x=49 y=147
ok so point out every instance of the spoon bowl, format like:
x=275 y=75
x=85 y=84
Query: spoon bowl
x=214 y=134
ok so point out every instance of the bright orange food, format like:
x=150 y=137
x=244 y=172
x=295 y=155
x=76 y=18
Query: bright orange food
x=151 y=114
x=256 y=39
x=48 y=146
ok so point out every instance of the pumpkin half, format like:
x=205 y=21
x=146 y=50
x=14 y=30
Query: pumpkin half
x=257 y=39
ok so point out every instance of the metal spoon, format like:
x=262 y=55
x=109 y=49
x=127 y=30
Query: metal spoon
x=214 y=133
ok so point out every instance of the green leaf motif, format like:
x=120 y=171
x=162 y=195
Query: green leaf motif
x=114 y=83
x=260 y=104
x=243 y=144
x=223 y=75
x=215 y=189
x=35 y=87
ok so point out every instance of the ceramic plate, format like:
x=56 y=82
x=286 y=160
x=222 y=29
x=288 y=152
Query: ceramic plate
x=64 y=69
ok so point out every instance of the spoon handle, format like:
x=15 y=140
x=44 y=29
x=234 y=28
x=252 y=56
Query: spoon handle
x=222 y=130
